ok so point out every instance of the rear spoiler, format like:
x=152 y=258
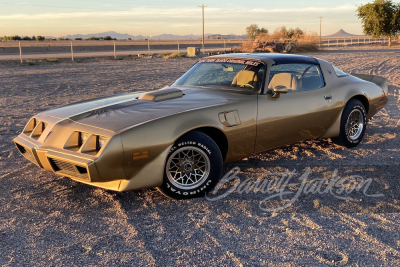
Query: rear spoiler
x=378 y=80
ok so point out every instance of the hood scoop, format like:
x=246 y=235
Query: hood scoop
x=162 y=95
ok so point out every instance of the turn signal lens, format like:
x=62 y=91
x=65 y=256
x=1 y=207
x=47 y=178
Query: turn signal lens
x=140 y=155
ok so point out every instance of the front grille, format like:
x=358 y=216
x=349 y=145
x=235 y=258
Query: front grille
x=27 y=153
x=67 y=168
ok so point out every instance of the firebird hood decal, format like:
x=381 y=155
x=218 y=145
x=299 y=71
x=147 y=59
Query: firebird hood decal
x=118 y=112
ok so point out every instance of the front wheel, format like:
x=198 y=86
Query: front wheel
x=193 y=166
x=353 y=124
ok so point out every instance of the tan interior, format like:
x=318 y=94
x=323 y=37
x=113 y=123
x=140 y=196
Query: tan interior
x=246 y=77
x=286 y=79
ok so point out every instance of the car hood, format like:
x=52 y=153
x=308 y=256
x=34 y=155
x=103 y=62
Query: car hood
x=117 y=112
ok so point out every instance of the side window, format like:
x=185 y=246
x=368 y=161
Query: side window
x=296 y=77
x=339 y=72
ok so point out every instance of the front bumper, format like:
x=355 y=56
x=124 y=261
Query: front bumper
x=78 y=168
x=84 y=169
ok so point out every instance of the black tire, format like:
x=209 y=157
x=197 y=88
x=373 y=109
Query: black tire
x=185 y=159
x=351 y=138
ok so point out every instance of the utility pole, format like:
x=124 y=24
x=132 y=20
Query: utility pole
x=202 y=39
x=320 y=31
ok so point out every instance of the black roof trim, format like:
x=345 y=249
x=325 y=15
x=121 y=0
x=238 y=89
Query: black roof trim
x=285 y=59
x=277 y=58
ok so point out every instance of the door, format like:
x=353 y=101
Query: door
x=305 y=112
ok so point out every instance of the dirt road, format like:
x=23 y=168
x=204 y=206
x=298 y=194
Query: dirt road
x=49 y=220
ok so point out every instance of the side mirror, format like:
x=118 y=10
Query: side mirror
x=278 y=90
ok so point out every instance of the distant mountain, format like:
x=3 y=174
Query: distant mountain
x=113 y=34
x=173 y=36
x=342 y=34
x=117 y=35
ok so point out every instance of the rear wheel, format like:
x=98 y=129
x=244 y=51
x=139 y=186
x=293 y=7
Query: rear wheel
x=193 y=166
x=353 y=124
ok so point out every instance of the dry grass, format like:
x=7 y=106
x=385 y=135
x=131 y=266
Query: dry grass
x=30 y=62
x=309 y=42
x=174 y=55
x=277 y=43
x=247 y=47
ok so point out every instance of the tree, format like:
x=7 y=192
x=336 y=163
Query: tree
x=380 y=18
x=107 y=38
x=283 y=33
x=40 y=38
x=253 y=31
x=295 y=33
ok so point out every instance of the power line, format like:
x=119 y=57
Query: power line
x=320 y=30
x=202 y=39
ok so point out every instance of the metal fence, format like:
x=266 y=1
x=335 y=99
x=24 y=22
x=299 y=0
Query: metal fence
x=28 y=49
x=73 y=49
x=332 y=42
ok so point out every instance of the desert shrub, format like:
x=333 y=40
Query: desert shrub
x=264 y=37
x=52 y=60
x=247 y=47
x=237 y=49
x=308 y=42
x=174 y=55
x=283 y=40
x=284 y=34
x=30 y=63
x=11 y=38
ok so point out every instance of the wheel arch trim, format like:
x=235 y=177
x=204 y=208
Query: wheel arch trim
x=216 y=134
x=334 y=129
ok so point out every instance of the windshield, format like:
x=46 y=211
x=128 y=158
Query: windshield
x=229 y=74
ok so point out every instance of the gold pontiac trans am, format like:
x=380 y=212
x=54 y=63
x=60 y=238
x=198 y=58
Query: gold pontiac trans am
x=223 y=109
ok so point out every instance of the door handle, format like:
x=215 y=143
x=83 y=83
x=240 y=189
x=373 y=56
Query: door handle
x=328 y=97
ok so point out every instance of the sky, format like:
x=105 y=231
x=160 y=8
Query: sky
x=153 y=17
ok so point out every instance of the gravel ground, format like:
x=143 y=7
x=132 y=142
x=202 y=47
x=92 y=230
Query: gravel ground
x=47 y=220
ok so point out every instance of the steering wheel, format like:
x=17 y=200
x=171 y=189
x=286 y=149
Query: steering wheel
x=246 y=85
x=302 y=76
x=305 y=71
